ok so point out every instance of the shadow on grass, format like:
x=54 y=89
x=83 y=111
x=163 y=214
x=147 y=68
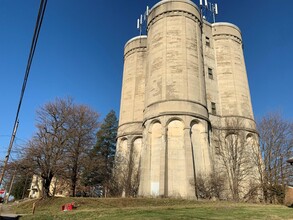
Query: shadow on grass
x=3 y=217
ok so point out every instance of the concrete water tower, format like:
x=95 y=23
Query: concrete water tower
x=179 y=82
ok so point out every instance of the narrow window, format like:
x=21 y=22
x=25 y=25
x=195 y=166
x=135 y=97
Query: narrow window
x=208 y=43
x=210 y=72
x=214 y=110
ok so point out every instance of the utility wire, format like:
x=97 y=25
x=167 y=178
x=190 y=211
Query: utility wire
x=38 y=25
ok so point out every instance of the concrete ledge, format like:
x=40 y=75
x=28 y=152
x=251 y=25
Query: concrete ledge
x=165 y=7
x=134 y=43
x=167 y=1
x=225 y=28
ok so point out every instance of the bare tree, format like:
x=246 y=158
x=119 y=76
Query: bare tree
x=276 y=144
x=211 y=186
x=65 y=133
x=82 y=125
x=44 y=153
x=233 y=153
x=133 y=176
x=126 y=177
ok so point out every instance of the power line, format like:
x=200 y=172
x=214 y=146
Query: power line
x=38 y=25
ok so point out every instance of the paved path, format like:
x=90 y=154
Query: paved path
x=6 y=213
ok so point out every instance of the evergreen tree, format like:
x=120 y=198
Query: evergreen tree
x=102 y=158
x=21 y=186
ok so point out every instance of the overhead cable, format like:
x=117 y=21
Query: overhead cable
x=38 y=26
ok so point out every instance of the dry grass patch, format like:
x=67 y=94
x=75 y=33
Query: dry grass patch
x=138 y=208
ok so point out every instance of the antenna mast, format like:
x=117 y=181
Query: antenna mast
x=208 y=7
x=141 y=20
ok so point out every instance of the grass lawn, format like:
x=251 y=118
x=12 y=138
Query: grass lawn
x=89 y=208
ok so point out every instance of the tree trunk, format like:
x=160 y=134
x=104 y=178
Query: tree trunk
x=46 y=185
x=74 y=178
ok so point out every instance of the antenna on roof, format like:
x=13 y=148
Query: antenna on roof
x=216 y=8
x=141 y=20
x=147 y=11
x=139 y=25
x=206 y=3
x=208 y=7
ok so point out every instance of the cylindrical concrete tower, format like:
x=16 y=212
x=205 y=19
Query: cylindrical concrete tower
x=237 y=126
x=183 y=84
x=132 y=102
x=133 y=87
x=175 y=148
x=233 y=86
x=175 y=80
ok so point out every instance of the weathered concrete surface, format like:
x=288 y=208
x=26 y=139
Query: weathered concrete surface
x=288 y=201
x=184 y=78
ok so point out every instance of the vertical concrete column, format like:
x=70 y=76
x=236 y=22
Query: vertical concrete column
x=206 y=149
x=163 y=164
x=144 y=186
x=156 y=151
x=189 y=162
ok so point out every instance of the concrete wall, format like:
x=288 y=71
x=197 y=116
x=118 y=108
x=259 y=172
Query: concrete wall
x=175 y=80
x=288 y=201
x=185 y=78
x=129 y=138
x=175 y=95
x=232 y=79
x=133 y=87
x=58 y=187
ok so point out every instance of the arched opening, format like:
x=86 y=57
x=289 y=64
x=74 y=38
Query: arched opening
x=136 y=152
x=199 y=143
x=176 y=159
x=250 y=140
x=135 y=165
x=122 y=152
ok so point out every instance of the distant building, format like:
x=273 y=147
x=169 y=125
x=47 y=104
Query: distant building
x=58 y=187
x=289 y=191
x=181 y=82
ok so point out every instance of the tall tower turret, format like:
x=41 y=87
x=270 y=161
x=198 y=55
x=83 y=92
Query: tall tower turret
x=133 y=87
x=175 y=146
x=181 y=83
x=233 y=86
x=129 y=138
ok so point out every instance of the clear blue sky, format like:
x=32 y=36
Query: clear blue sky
x=80 y=54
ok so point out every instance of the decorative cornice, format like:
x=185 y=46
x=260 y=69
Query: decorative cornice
x=134 y=39
x=227 y=36
x=135 y=50
x=173 y=13
x=177 y=114
x=124 y=134
x=129 y=123
x=177 y=100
